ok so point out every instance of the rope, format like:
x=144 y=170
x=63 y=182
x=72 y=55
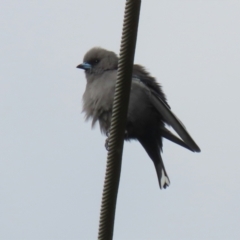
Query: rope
x=118 y=122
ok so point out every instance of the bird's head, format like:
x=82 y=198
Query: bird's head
x=98 y=60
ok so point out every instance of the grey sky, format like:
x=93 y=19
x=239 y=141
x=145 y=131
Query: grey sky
x=52 y=164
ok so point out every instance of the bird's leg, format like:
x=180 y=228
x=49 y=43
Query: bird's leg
x=107 y=140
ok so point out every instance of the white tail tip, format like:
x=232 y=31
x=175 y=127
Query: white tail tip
x=164 y=182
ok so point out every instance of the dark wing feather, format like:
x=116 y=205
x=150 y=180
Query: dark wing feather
x=159 y=101
x=171 y=137
x=173 y=121
x=149 y=81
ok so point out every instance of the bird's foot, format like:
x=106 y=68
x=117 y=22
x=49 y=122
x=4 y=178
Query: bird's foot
x=107 y=139
x=106 y=144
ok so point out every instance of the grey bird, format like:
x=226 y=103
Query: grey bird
x=148 y=110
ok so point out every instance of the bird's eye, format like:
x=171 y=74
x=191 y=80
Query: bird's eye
x=95 y=61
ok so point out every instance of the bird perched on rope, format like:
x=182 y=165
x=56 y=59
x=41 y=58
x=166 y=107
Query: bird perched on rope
x=148 y=110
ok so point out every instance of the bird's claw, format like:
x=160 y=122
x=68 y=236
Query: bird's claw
x=106 y=144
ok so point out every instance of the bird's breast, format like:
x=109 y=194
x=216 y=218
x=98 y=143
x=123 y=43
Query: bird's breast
x=98 y=101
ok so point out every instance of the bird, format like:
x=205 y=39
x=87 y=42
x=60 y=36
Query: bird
x=148 y=109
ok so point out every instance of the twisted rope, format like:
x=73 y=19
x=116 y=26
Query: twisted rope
x=118 y=122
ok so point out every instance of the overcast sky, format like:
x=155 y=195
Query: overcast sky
x=52 y=165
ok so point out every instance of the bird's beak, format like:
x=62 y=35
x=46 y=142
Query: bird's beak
x=84 y=66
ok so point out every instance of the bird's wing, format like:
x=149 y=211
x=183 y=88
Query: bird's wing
x=169 y=117
x=173 y=138
x=172 y=120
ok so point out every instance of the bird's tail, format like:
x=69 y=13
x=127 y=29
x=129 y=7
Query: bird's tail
x=163 y=178
x=153 y=150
